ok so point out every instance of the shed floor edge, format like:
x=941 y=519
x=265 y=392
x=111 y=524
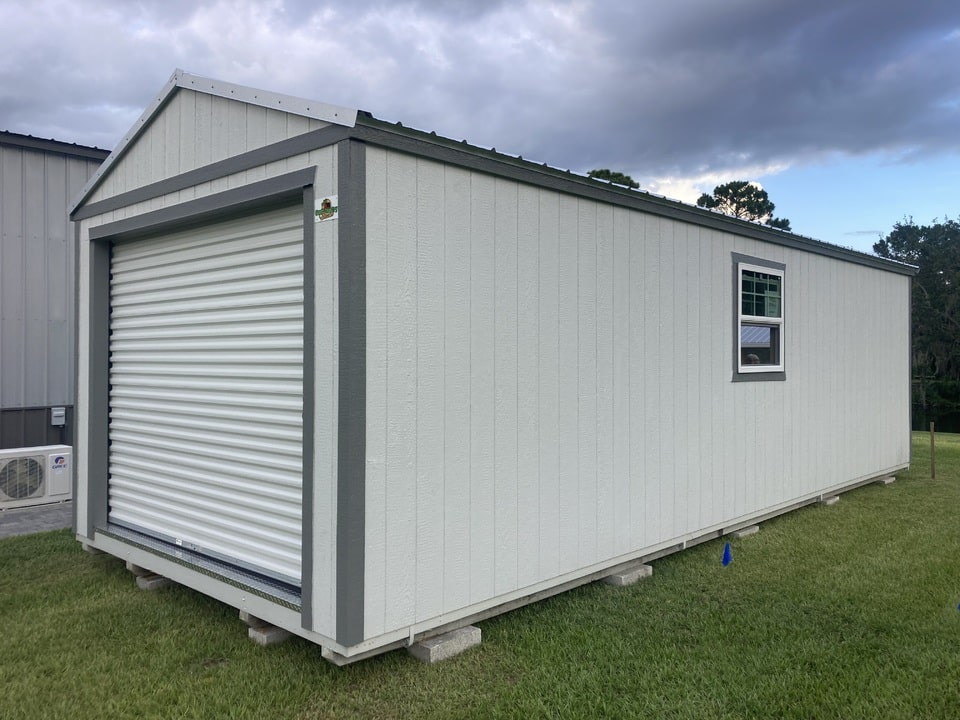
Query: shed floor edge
x=541 y=591
x=290 y=620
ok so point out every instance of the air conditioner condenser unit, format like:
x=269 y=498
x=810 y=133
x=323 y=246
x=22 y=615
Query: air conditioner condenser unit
x=35 y=476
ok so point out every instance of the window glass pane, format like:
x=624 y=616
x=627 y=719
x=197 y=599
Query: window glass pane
x=761 y=294
x=759 y=344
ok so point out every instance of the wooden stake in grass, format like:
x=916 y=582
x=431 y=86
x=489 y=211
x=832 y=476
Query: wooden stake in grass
x=933 y=458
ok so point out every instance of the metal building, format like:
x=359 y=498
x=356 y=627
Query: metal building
x=38 y=180
x=364 y=382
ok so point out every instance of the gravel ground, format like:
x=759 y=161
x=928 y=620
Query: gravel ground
x=23 y=521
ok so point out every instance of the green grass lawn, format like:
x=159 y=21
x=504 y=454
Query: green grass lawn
x=849 y=611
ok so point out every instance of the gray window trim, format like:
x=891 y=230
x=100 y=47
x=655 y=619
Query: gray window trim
x=776 y=375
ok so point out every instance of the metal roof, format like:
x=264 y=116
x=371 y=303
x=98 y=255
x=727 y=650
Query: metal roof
x=365 y=127
x=12 y=139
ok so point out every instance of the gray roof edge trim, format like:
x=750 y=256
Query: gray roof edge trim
x=12 y=139
x=132 y=134
x=296 y=145
x=444 y=150
x=334 y=114
x=326 y=112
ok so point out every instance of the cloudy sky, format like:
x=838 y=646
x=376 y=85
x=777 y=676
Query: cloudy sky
x=846 y=111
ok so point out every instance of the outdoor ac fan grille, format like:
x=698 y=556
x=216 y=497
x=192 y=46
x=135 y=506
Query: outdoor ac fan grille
x=21 y=478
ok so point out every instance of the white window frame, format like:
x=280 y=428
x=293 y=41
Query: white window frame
x=774 y=323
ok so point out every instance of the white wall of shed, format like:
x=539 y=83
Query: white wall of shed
x=195 y=129
x=549 y=386
x=37 y=275
x=326 y=367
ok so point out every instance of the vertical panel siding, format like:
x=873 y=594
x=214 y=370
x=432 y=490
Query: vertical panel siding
x=621 y=494
x=704 y=374
x=568 y=406
x=401 y=407
x=13 y=281
x=482 y=525
x=207 y=129
x=430 y=390
x=605 y=501
x=549 y=386
x=528 y=391
x=456 y=379
x=586 y=366
x=505 y=347
x=326 y=363
x=375 y=570
x=650 y=321
x=638 y=528
x=36 y=275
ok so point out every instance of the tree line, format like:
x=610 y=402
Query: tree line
x=935 y=315
x=740 y=198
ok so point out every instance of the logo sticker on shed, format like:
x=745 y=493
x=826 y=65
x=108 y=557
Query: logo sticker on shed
x=325 y=209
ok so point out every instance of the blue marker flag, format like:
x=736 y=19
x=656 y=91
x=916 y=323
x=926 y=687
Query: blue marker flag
x=727 y=555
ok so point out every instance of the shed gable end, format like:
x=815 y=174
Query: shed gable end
x=194 y=129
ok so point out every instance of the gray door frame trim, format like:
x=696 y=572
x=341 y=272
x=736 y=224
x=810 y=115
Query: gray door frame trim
x=292 y=189
x=96 y=413
x=352 y=392
x=238 y=201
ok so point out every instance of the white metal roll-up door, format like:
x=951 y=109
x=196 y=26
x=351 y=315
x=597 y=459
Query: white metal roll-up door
x=206 y=390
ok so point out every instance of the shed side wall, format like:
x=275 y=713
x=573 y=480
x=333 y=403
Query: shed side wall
x=549 y=386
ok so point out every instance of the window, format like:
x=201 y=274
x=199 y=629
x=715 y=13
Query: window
x=759 y=319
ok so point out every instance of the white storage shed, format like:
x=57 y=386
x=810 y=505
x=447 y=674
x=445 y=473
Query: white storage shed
x=365 y=383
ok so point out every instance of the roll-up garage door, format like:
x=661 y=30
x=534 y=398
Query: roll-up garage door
x=206 y=390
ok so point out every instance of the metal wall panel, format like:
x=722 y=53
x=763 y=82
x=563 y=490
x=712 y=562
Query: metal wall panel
x=36 y=274
x=579 y=358
x=206 y=396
